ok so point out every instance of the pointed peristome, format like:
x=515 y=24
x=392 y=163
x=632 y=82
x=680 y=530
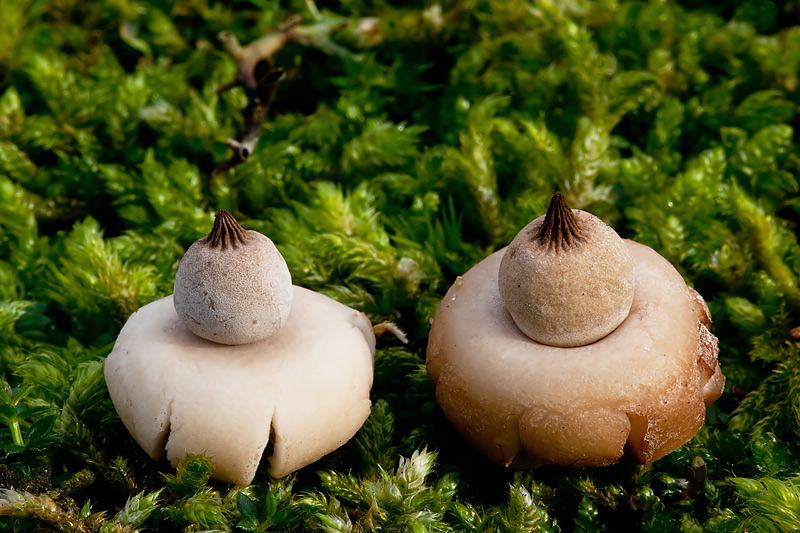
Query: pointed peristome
x=226 y=232
x=560 y=229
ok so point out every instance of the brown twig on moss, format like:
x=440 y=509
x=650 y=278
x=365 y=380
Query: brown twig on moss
x=256 y=73
x=249 y=57
x=258 y=103
x=379 y=330
x=255 y=63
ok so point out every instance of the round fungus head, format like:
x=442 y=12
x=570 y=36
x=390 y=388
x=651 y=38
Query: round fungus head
x=567 y=278
x=233 y=286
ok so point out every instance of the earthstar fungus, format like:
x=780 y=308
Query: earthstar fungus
x=529 y=376
x=291 y=384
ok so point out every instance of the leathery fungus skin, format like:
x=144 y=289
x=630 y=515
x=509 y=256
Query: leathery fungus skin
x=641 y=390
x=284 y=401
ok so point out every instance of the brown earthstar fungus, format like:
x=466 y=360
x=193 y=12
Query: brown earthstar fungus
x=286 y=399
x=635 y=386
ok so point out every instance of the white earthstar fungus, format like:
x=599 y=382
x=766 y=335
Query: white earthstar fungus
x=640 y=390
x=285 y=401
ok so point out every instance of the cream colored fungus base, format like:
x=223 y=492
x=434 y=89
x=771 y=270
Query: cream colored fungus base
x=305 y=390
x=523 y=404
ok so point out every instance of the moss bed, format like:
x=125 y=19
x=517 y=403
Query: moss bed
x=405 y=141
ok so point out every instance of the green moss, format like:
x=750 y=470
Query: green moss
x=404 y=145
